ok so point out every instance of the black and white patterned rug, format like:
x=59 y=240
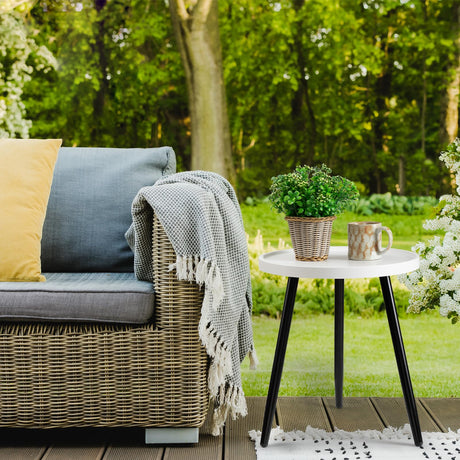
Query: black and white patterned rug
x=389 y=444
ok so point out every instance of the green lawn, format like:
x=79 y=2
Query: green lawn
x=370 y=369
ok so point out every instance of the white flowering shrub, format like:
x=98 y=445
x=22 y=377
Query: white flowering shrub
x=19 y=57
x=436 y=284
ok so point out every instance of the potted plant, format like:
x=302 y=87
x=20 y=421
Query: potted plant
x=311 y=198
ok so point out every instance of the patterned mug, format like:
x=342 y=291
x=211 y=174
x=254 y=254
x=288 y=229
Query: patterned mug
x=365 y=240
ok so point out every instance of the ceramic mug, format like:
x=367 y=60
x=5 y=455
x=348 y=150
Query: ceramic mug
x=365 y=240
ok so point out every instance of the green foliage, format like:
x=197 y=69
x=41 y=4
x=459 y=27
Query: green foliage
x=328 y=82
x=119 y=81
x=20 y=58
x=358 y=86
x=453 y=316
x=312 y=192
x=363 y=298
x=393 y=204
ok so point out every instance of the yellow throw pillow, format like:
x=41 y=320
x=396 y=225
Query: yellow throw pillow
x=26 y=173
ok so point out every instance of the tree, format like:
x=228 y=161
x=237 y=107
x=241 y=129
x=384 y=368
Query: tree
x=197 y=33
x=370 y=108
x=449 y=103
x=359 y=86
x=119 y=82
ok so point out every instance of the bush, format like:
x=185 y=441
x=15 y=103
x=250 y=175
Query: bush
x=363 y=298
x=393 y=204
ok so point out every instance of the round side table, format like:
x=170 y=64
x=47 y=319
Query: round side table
x=338 y=267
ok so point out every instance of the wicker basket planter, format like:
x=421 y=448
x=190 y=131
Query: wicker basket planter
x=311 y=237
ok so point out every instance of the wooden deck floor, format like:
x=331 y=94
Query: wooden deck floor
x=292 y=413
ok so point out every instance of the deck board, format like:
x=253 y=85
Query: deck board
x=393 y=413
x=356 y=414
x=74 y=453
x=235 y=444
x=134 y=453
x=297 y=413
x=209 y=448
x=22 y=453
x=445 y=412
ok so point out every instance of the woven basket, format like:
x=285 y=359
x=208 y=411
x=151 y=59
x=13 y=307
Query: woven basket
x=59 y=375
x=311 y=237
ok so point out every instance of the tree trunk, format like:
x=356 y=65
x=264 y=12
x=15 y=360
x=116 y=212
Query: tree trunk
x=383 y=87
x=100 y=100
x=449 y=103
x=401 y=176
x=423 y=112
x=380 y=139
x=197 y=32
x=303 y=121
x=423 y=104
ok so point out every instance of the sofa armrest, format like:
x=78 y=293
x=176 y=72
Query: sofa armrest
x=177 y=303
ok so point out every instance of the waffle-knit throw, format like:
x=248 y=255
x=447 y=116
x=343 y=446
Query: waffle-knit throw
x=201 y=216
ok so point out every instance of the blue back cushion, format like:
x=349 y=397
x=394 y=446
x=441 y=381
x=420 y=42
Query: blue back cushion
x=89 y=208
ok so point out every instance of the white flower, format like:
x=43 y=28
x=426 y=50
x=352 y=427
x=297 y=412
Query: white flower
x=415 y=277
x=419 y=247
x=444 y=310
x=448 y=285
x=438 y=276
x=431 y=276
x=448 y=304
x=433 y=258
x=424 y=265
x=20 y=47
x=441 y=223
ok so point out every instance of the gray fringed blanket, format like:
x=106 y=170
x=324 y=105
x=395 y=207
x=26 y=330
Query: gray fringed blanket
x=201 y=216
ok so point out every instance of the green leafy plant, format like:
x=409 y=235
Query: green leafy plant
x=311 y=191
x=393 y=205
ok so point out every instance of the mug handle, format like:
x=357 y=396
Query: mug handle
x=381 y=251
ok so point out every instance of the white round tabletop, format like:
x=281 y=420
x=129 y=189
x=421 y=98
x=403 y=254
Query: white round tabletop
x=338 y=266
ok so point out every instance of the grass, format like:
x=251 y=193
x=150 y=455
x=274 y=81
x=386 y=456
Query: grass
x=431 y=341
x=431 y=344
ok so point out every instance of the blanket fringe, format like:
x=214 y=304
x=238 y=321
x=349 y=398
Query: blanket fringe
x=227 y=399
x=202 y=271
x=253 y=359
x=221 y=358
x=230 y=401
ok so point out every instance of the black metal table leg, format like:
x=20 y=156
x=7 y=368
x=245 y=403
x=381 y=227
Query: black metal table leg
x=401 y=360
x=338 y=341
x=278 y=361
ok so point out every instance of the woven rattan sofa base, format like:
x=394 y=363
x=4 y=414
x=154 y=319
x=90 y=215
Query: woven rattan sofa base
x=67 y=375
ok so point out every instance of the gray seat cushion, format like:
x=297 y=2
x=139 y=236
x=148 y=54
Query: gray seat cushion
x=102 y=297
x=89 y=208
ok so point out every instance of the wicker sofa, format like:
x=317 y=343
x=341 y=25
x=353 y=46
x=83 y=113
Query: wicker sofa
x=77 y=372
